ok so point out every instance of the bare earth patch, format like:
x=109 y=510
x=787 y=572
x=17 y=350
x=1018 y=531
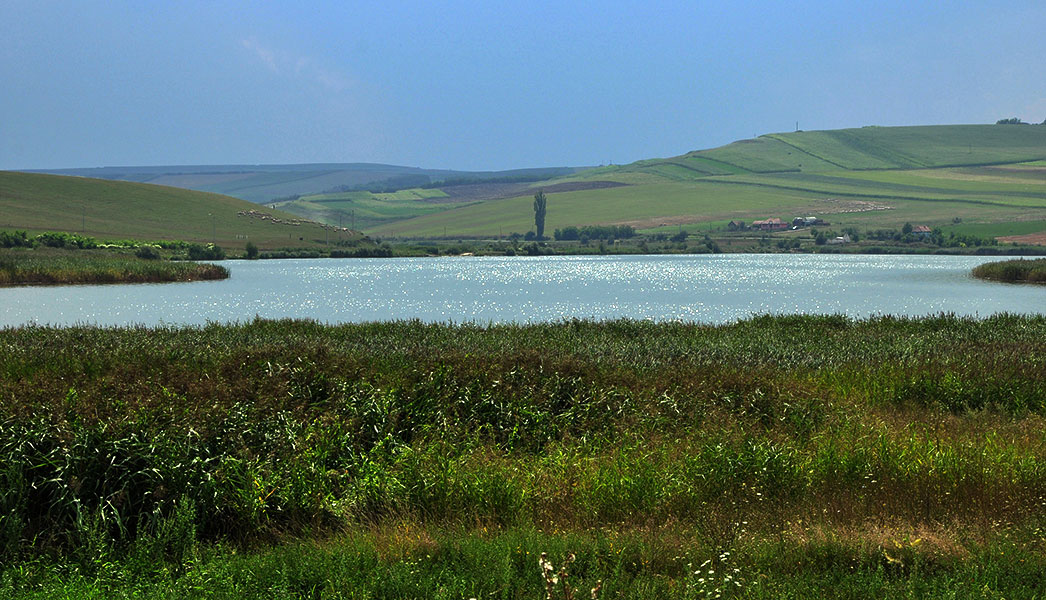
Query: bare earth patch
x=1032 y=239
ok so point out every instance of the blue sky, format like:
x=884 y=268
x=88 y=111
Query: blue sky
x=488 y=85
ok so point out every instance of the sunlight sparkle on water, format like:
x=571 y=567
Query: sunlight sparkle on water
x=707 y=288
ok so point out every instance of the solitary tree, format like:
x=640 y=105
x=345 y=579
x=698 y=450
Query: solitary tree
x=540 y=202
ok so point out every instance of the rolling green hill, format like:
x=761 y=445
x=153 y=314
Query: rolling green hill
x=968 y=179
x=872 y=177
x=366 y=209
x=864 y=149
x=265 y=183
x=124 y=210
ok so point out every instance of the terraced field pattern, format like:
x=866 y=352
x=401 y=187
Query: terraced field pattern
x=964 y=178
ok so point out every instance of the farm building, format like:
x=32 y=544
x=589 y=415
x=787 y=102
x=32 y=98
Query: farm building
x=736 y=226
x=807 y=222
x=771 y=224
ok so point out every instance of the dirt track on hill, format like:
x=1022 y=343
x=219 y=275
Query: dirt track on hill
x=494 y=191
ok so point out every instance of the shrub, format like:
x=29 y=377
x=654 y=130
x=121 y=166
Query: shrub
x=66 y=240
x=147 y=253
x=208 y=252
x=18 y=239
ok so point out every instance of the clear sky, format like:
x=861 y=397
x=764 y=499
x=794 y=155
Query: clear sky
x=491 y=85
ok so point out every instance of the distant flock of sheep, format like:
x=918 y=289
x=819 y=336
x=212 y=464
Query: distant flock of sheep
x=297 y=222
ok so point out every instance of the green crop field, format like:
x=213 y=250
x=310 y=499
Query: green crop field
x=126 y=210
x=998 y=229
x=366 y=209
x=675 y=203
x=872 y=177
x=968 y=179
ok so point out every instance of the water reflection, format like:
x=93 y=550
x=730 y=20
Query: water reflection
x=714 y=289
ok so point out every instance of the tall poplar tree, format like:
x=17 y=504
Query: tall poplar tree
x=540 y=203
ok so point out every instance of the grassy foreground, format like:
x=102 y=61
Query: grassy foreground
x=1013 y=271
x=53 y=266
x=779 y=456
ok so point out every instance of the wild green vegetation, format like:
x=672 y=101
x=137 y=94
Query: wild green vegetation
x=778 y=456
x=1013 y=271
x=45 y=265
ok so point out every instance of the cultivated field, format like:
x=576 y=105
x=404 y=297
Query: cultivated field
x=960 y=178
x=869 y=178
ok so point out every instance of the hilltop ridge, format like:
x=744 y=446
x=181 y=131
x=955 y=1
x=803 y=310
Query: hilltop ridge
x=858 y=149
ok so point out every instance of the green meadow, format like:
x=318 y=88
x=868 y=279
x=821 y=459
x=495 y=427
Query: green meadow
x=366 y=209
x=126 y=210
x=792 y=456
x=869 y=200
x=872 y=177
x=963 y=179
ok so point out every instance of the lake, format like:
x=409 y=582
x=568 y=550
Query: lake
x=705 y=288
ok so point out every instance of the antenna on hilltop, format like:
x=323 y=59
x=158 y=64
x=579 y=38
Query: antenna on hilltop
x=797 y=126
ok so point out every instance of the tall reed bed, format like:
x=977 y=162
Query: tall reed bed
x=1013 y=271
x=52 y=266
x=846 y=437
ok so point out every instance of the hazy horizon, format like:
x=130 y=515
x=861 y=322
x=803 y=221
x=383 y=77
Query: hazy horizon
x=477 y=86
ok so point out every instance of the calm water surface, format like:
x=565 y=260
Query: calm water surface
x=709 y=288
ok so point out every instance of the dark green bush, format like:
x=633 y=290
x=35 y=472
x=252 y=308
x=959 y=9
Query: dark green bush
x=147 y=253
x=208 y=252
x=18 y=239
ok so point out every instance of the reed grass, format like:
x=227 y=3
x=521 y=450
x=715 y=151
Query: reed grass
x=1013 y=271
x=845 y=440
x=50 y=266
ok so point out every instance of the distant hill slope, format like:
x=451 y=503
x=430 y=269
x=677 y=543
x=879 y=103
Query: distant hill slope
x=974 y=179
x=952 y=176
x=265 y=183
x=127 y=210
x=867 y=148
